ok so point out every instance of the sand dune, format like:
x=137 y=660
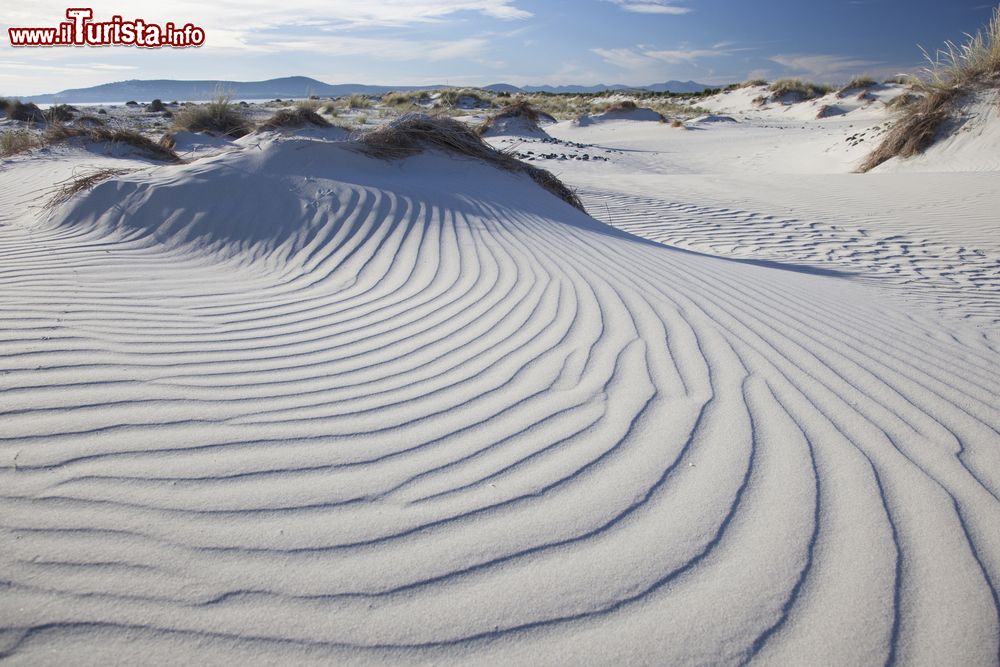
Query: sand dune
x=423 y=411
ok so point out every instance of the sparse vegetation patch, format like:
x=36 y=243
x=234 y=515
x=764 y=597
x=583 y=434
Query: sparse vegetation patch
x=18 y=141
x=220 y=116
x=294 y=117
x=113 y=136
x=412 y=133
x=796 y=90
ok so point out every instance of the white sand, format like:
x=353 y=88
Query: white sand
x=288 y=404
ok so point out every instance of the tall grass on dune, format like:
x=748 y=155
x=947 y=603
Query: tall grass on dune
x=220 y=116
x=17 y=141
x=951 y=73
x=966 y=63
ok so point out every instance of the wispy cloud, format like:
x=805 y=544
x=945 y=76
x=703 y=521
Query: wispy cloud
x=826 y=67
x=643 y=56
x=385 y=49
x=651 y=6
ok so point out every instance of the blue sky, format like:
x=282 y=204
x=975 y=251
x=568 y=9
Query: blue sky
x=477 y=42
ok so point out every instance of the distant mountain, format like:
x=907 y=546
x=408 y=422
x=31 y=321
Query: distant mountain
x=503 y=88
x=169 y=89
x=294 y=87
x=678 y=87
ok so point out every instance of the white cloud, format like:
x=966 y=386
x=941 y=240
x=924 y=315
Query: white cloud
x=651 y=7
x=384 y=49
x=827 y=67
x=645 y=57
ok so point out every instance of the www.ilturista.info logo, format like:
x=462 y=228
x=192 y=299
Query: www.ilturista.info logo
x=81 y=30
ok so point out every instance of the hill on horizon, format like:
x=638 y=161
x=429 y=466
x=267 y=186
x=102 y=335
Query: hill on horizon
x=294 y=87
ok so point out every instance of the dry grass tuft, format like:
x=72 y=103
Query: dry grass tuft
x=860 y=82
x=18 y=141
x=113 y=136
x=677 y=123
x=471 y=97
x=624 y=105
x=753 y=83
x=220 y=116
x=403 y=100
x=915 y=132
x=797 y=90
x=80 y=183
x=902 y=101
x=358 y=102
x=60 y=113
x=24 y=112
x=518 y=109
x=294 y=117
x=413 y=133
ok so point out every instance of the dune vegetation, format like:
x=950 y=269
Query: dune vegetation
x=220 y=116
x=101 y=134
x=952 y=73
x=797 y=90
x=18 y=141
x=413 y=133
x=298 y=116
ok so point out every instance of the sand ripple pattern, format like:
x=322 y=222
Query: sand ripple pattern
x=418 y=426
x=957 y=279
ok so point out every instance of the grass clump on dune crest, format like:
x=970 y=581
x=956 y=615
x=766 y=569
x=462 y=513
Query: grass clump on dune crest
x=112 y=136
x=797 y=89
x=26 y=112
x=13 y=142
x=624 y=105
x=857 y=83
x=518 y=109
x=294 y=117
x=902 y=101
x=953 y=72
x=413 y=133
x=220 y=116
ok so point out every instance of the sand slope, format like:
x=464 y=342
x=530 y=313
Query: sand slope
x=351 y=411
